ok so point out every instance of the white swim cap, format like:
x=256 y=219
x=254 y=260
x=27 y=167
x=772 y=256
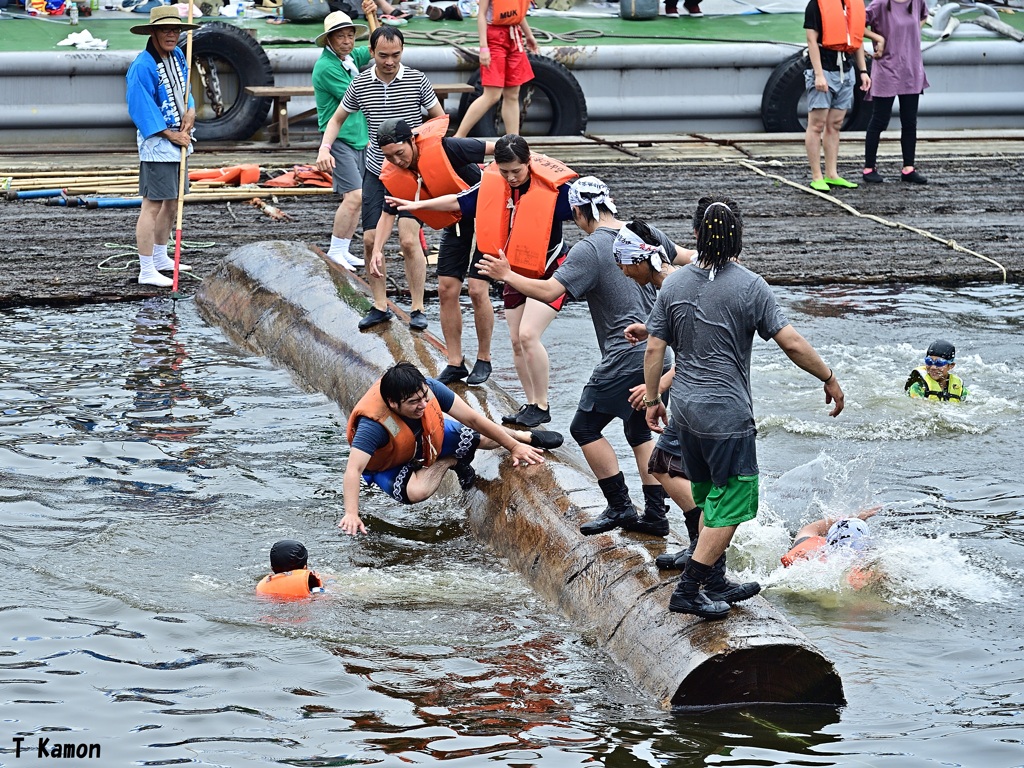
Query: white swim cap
x=851 y=532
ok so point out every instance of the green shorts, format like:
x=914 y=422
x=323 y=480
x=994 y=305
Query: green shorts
x=729 y=504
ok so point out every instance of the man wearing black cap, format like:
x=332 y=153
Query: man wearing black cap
x=935 y=379
x=290 y=578
x=421 y=165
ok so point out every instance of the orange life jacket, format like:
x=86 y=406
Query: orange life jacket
x=290 y=584
x=301 y=175
x=236 y=174
x=508 y=13
x=434 y=175
x=526 y=245
x=402 y=445
x=842 y=24
x=804 y=550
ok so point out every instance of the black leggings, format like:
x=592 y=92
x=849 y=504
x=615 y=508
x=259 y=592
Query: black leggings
x=880 y=114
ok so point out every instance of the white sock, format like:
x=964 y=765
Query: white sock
x=165 y=263
x=340 y=244
x=148 y=274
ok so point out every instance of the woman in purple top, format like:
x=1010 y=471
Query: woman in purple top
x=898 y=70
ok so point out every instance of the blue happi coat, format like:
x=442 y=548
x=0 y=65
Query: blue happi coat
x=151 y=104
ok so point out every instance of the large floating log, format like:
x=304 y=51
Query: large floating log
x=280 y=300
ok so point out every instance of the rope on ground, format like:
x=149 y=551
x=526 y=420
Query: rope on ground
x=949 y=243
x=130 y=252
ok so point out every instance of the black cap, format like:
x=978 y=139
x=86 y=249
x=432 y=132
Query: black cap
x=942 y=349
x=288 y=555
x=393 y=131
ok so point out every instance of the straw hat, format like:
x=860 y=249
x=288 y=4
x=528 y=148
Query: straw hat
x=339 y=20
x=164 y=16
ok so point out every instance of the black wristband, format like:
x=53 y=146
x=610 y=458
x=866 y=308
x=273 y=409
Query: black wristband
x=831 y=375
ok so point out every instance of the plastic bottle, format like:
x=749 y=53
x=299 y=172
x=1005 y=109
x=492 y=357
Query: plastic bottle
x=240 y=13
x=73 y=13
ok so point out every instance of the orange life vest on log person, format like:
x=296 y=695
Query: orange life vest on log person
x=434 y=169
x=842 y=24
x=508 y=13
x=401 y=448
x=523 y=237
x=290 y=584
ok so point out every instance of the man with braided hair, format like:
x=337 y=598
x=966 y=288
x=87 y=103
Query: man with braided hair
x=708 y=313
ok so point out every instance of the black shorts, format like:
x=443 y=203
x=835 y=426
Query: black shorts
x=457 y=255
x=373 y=202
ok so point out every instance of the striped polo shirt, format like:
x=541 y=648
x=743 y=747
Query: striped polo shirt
x=406 y=97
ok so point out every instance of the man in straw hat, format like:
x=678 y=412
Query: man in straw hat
x=332 y=74
x=164 y=114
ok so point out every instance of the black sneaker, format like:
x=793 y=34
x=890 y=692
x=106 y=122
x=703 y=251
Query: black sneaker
x=374 y=317
x=453 y=373
x=609 y=520
x=465 y=473
x=513 y=418
x=542 y=438
x=913 y=177
x=650 y=526
x=728 y=591
x=533 y=416
x=481 y=371
x=675 y=561
x=698 y=605
x=417 y=321
x=874 y=177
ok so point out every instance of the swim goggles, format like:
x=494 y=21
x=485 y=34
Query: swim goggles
x=938 y=362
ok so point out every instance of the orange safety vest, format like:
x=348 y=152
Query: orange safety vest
x=804 y=550
x=434 y=175
x=290 y=584
x=508 y=13
x=842 y=24
x=401 y=448
x=526 y=245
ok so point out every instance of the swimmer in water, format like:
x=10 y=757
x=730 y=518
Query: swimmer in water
x=290 y=578
x=935 y=379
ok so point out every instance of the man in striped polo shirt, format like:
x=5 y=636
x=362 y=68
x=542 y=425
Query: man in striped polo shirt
x=388 y=89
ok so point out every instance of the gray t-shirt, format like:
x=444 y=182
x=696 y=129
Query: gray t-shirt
x=710 y=326
x=590 y=272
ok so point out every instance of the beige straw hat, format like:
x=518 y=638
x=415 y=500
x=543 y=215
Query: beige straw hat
x=339 y=20
x=164 y=16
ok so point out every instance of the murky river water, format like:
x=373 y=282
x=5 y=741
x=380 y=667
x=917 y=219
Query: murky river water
x=146 y=466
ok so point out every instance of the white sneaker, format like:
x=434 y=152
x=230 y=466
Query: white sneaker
x=147 y=277
x=341 y=258
x=167 y=265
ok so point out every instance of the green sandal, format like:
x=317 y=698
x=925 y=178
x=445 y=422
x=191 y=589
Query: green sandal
x=841 y=182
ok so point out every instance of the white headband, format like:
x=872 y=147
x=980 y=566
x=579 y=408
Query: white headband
x=630 y=248
x=592 y=190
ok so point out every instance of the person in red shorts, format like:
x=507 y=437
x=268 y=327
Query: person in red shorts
x=505 y=36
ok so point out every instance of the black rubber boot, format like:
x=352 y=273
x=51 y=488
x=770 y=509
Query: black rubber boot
x=655 y=519
x=718 y=587
x=689 y=598
x=675 y=561
x=620 y=509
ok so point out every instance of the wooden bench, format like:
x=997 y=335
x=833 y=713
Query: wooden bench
x=282 y=94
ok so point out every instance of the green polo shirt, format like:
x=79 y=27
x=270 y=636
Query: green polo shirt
x=330 y=81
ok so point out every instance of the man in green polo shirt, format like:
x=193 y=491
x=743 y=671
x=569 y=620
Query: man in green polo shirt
x=332 y=73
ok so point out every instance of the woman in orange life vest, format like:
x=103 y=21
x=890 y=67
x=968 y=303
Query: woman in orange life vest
x=504 y=66
x=290 y=578
x=818 y=538
x=519 y=206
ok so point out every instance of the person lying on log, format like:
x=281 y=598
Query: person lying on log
x=408 y=430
